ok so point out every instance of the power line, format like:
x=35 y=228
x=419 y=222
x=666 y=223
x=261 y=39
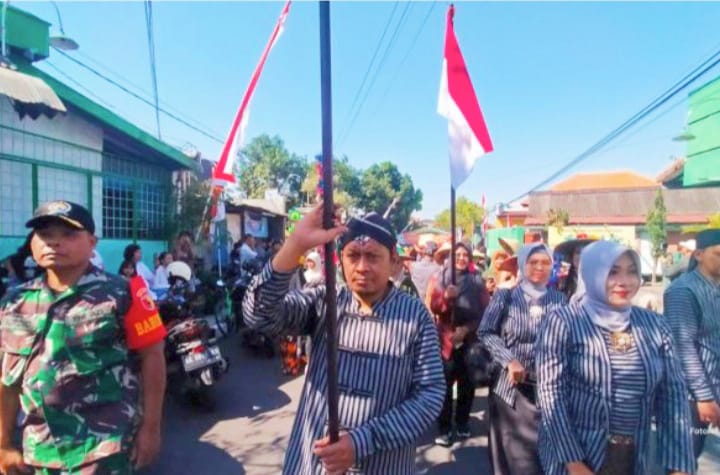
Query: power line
x=138 y=97
x=372 y=62
x=388 y=48
x=153 y=64
x=407 y=55
x=178 y=141
x=678 y=87
x=78 y=85
x=109 y=71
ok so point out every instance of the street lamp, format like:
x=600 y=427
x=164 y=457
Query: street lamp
x=686 y=135
x=62 y=41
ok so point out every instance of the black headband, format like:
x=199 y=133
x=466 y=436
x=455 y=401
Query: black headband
x=373 y=226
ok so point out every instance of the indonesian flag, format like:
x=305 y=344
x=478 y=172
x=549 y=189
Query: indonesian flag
x=223 y=171
x=483 y=204
x=469 y=137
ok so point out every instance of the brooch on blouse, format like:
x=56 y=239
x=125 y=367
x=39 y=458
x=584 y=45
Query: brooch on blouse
x=621 y=341
x=536 y=311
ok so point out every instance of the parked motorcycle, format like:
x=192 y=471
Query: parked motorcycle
x=194 y=359
x=257 y=342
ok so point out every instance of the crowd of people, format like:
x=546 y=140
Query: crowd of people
x=580 y=380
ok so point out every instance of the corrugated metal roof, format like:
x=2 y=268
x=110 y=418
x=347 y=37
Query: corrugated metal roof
x=30 y=95
x=106 y=117
x=265 y=205
x=604 y=181
x=630 y=206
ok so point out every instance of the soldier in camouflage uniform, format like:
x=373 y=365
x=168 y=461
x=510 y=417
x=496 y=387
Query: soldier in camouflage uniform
x=78 y=347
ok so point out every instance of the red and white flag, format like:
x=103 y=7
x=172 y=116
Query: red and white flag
x=483 y=204
x=469 y=137
x=223 y=171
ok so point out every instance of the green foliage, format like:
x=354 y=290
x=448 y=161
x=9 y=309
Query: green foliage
x=187 y=209
x=558 y=218
x=657 y=225
x=266 y=163
x=380 y=185
x=468 y=216
x=346 y=181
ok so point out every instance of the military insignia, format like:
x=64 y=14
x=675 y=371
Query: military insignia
x=58 y=207
x=144 y=297
x=536 y=311
x=621 y=341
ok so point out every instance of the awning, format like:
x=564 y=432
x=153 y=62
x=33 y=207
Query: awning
x=29 y=95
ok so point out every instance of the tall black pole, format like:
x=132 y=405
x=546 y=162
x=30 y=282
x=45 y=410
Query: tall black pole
x=453 y=237
x=329 y=221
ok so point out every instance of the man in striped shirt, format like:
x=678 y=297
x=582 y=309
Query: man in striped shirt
x=390 y=376
x=692 y=305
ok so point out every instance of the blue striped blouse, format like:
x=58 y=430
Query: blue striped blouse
x=628 y=387
x=575 y=393
x=390 y=375
x=510 y=333
x=692 y=306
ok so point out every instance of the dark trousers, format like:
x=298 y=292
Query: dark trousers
x=699 y=429
x=619 y=460
x=456 y=371
x=513 y=437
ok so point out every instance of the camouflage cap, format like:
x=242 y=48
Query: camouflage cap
x=69 y=213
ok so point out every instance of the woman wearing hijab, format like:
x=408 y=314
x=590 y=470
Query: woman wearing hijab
x=313 y=273
x=509 y=331
x=605 y=369
x=293 y=349
x=458 y=309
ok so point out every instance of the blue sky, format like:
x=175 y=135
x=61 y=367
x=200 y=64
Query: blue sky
x=552 y=79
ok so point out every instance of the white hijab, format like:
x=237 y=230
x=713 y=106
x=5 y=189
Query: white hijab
x=313 y=276
x=534 y=291
x=596 y=262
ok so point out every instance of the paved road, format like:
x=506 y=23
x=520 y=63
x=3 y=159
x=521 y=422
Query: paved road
x=248 y=432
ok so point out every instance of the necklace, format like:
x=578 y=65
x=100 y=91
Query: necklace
x=536 y=311
x=621 y=341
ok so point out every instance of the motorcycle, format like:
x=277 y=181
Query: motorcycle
x=194 y=360
x=256 y=341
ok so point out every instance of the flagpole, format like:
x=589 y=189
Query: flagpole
x=328 y=222
x=453 y=236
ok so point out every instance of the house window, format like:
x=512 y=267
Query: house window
x=118 y=211
x=151 y=207
x=135 y=194
x=15 y=197
x=57 y=184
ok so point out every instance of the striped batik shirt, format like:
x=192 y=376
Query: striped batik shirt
x=575 y=393
x=390 y=375
x=627 y=385
x=509 y=330
x=692 y=306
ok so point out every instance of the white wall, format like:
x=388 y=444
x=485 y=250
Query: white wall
x=16 y=178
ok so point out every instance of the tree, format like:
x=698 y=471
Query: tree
x=189 y=205
x=468 y=215
x=558 y=218
x=657 y=228
x=383 y=183
x=346 y=183
x=266 y=163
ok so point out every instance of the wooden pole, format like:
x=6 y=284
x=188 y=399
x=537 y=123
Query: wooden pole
x=328 y=222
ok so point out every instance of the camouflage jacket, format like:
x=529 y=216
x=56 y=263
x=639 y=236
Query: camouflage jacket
x=79 y=390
